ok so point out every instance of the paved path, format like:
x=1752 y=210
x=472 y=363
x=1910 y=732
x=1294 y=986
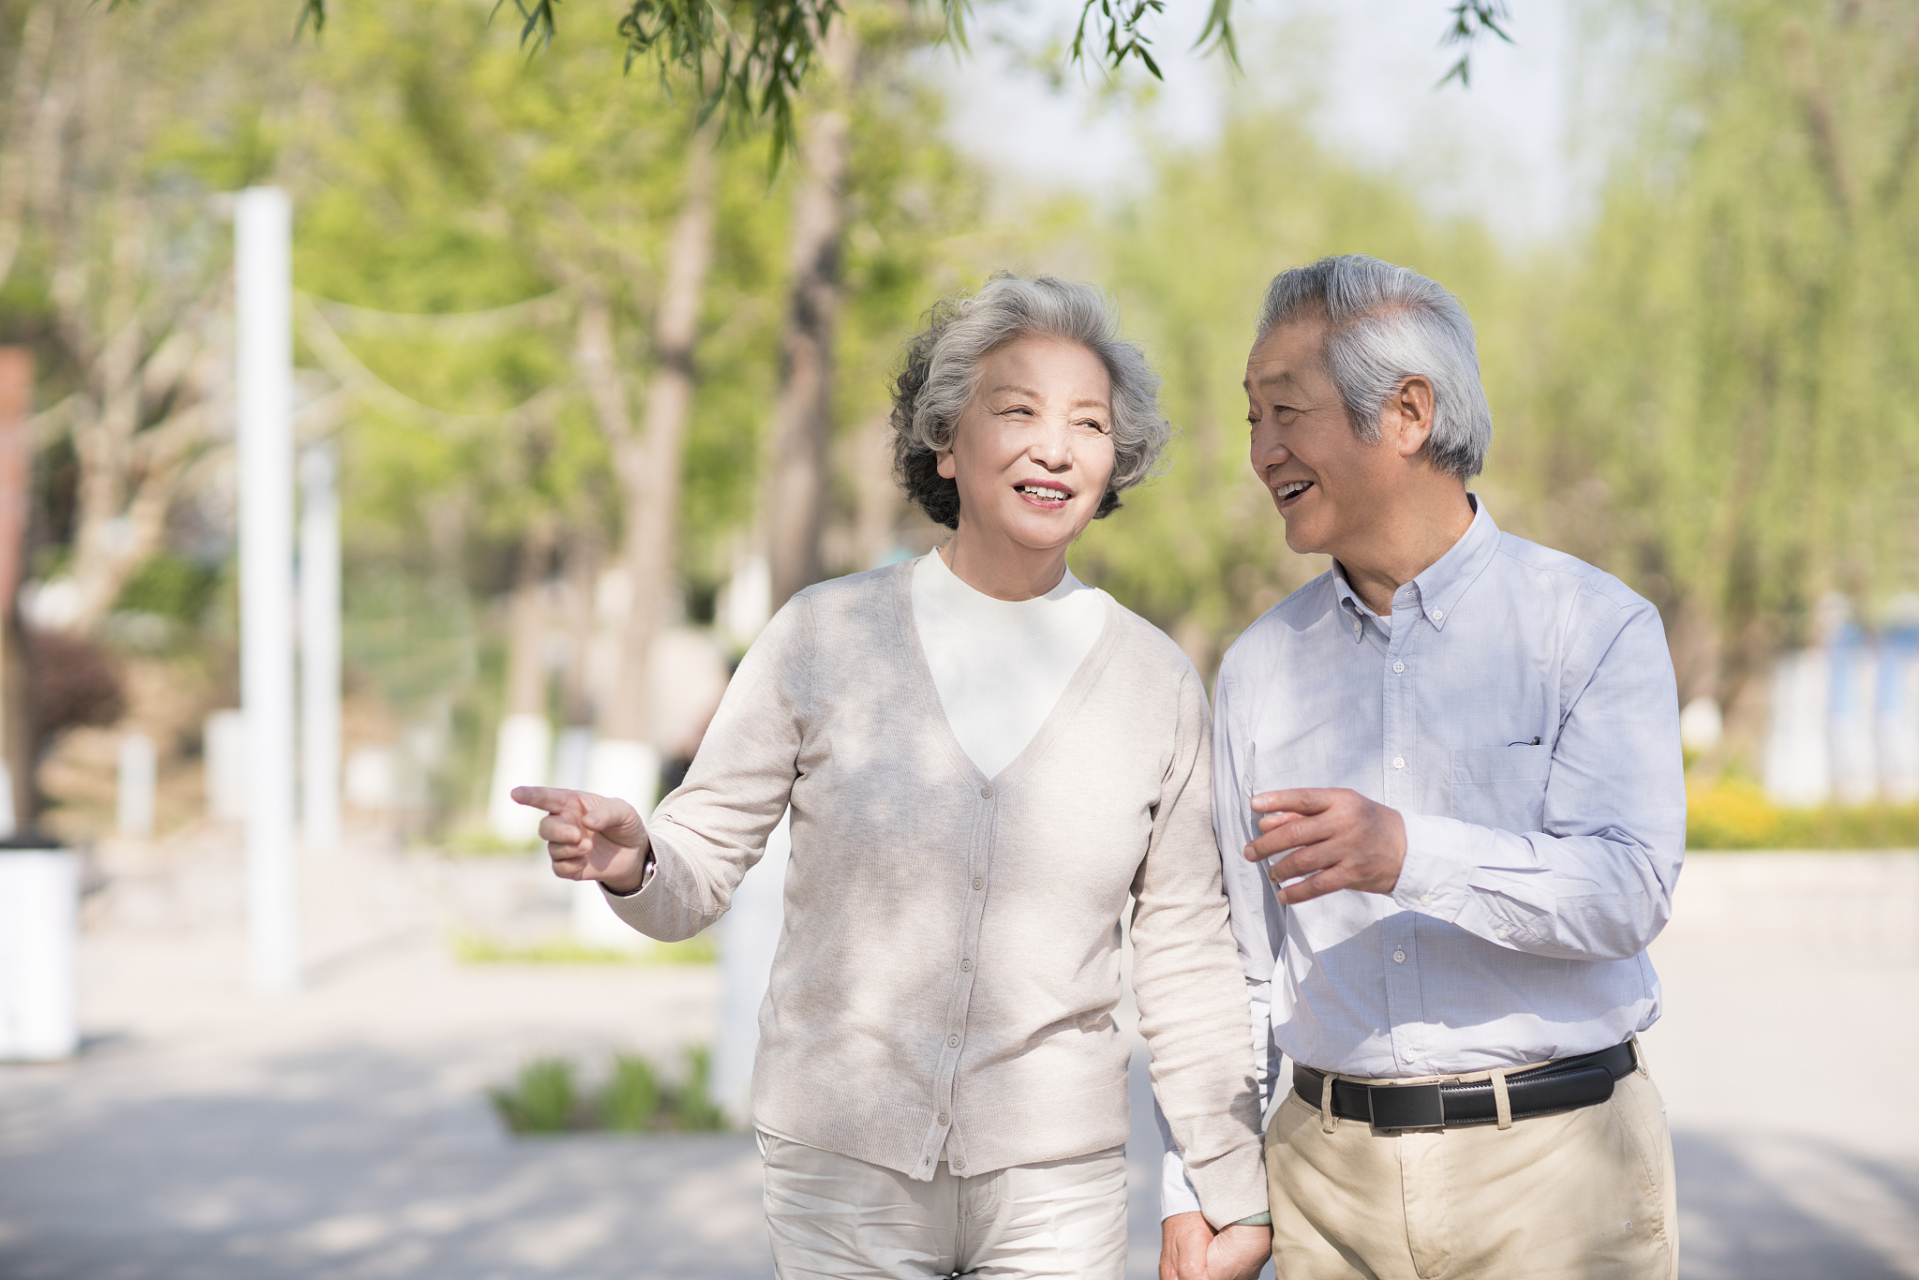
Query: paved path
x=341 y=1133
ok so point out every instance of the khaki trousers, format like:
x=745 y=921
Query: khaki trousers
x=1582 y=1195
x=836 y=1218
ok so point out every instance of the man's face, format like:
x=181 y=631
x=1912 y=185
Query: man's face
x=1328 y=484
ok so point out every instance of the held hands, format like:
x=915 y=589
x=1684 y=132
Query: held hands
x=1339 y=840
x=1191 y=1250
x=590 y=837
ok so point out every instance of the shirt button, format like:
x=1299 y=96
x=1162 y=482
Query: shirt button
x=986 y=793
x=966 y=966
x=1398 y=667
x=978 y=882
x=1399 y=957
x=1439 y=615
x=1502 y=933
x=942 y=1117
x=1399 y=762
x=952 y=1042
x=1425 y=899
x=1356 y=626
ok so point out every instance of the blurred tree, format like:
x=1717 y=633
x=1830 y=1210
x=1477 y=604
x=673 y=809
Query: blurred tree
x=798 y=480
x=1726 y=409
x=108 y=257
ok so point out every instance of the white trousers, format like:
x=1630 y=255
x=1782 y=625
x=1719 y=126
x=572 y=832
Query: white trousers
x=836 y=1218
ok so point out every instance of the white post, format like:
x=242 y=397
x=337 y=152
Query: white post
x=39 y=936
x=137 y=768
x=319 y=650
x=263 y=330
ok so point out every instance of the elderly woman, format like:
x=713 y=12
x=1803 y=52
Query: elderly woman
x=984 y=758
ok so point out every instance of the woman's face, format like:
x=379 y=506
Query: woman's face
x=1033 y=452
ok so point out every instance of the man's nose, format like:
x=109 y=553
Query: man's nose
x=1269 y=453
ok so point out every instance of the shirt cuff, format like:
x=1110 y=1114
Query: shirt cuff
x=1176 y=1194
x=1257 y=1220
x=1432 y=879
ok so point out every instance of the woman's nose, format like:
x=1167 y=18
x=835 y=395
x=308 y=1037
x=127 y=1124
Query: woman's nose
x=1052 y=446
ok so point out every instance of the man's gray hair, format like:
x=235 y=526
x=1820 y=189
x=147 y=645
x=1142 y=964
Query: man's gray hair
x=942 y=372
x=1385 y=324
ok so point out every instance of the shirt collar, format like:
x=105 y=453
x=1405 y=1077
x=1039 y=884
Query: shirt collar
x=1436 y=592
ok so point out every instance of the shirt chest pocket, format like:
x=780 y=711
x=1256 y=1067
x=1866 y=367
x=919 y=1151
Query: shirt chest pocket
x=1502 y=787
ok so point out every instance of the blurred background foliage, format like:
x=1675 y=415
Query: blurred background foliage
x=1706 y=387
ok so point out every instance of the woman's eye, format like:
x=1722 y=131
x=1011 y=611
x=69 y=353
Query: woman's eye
x=1094 y=424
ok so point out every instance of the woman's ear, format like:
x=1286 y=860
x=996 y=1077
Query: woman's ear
x=946 y=466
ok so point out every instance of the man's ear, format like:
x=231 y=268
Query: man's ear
x=1407 y=420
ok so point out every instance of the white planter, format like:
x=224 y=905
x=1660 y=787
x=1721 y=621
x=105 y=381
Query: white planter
x=39 y=936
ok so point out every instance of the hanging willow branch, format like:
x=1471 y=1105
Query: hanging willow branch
x=752 y=58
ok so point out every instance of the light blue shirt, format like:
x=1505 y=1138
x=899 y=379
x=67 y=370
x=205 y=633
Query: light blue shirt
x=1518 y=709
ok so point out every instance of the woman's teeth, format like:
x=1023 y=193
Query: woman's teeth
x=1042 y=491
x=1293 y=489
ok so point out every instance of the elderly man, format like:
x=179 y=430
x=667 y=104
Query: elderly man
x=1448 y=795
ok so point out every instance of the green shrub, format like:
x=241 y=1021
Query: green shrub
x=543 y=1100
x=1734 y=813
x=692 y=1103
x=632 y=1098
x=546 y=1098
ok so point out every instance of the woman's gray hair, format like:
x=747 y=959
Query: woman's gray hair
x=1385 y=324
x=942 y=370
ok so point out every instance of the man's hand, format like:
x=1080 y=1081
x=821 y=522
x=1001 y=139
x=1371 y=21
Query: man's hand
x=1339 y=840
x=1190 y=1249
x=590 y=837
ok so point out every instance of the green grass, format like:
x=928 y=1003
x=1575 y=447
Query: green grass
x=477 y=949
x=635 y=1097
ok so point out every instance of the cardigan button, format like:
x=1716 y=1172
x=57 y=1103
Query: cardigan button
x=979 y=882
x=942 y=1117
x=952 y=1042
x=986 y=793
x=958 y=1164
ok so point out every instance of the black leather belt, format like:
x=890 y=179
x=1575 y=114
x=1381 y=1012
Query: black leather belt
x=1566 y=1085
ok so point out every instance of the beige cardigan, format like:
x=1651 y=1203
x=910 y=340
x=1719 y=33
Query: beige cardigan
x=947 y=975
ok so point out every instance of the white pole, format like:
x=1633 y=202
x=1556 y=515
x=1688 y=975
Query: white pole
x=137 y=768
x=319 y=650
x=263 y=328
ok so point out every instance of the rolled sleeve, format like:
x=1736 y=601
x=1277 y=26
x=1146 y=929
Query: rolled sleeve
x=1596 y=881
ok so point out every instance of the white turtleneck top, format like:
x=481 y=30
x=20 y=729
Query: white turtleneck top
x=1001 y=665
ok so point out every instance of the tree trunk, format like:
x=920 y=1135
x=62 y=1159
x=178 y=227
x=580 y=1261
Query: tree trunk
x=16 y=468
x=648 y=461
x=526 y=625
x=799 y=475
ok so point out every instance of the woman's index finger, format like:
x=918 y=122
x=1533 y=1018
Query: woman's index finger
x=554 y=800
